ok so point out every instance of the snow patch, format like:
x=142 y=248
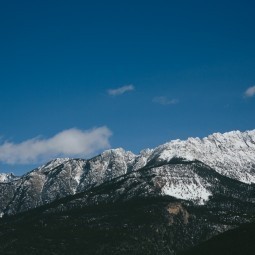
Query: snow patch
x=192 y=191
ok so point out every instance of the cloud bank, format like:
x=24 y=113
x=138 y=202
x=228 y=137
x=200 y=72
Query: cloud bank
x=250 y=92
x=68 y=143
x=121 y=90
x=164 y=100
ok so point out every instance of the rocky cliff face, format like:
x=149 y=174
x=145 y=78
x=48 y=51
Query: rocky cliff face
x=60 y=178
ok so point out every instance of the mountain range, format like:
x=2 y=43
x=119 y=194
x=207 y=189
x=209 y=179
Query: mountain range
x=162 y=201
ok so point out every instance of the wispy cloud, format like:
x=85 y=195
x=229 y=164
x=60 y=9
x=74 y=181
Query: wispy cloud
x=68 y=143
x=164 y=100
x=250 y=92
x=121 y=90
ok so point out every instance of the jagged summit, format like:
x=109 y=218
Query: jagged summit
x=51 y=164
x=231 y=154
x=5 y=178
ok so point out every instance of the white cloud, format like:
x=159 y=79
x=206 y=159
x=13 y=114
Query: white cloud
x=68 y=143
x=121 y=90
x=164 y=100
x=250 y=92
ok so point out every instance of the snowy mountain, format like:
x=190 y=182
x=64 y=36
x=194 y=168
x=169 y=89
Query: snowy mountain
x=130 y=213
x=174 y=166
x=162 y=201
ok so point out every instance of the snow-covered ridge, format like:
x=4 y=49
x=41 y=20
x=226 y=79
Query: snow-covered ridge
x=231 y=154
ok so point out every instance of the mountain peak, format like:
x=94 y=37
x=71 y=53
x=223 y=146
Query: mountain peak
x=5 y=178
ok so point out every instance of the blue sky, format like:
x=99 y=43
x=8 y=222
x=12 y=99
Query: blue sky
x=131 y=74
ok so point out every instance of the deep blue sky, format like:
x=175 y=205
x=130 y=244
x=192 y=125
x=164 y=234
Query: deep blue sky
x=58 y=59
